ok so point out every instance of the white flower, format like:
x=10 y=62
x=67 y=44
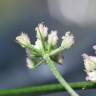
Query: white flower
x=53 y=38
x=89 y=62
x=90 y=67
x=29 y=62
x=41 y=29
x=38 y=44
x=23 y=39
x=91 y=76
x=68 y=40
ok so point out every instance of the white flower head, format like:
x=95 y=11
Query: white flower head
x=91 y=76
x=29 y=62
x=53 y=38
x=38 y=44
x=89 y=62
x=68 y=40
x=41 y=29
x=23 y=39
x=90 y=67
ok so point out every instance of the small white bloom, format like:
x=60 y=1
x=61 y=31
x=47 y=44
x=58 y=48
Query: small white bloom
x=23 y=39
x=30 y=64
x=91 y=76
x=53 y=38
x=90 y=67
x=41 y=29
x=38 y=44
x=89 y=62
x=68 y=40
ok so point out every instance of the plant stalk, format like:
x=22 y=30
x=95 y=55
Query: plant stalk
x=44 y=89
x=59 y=77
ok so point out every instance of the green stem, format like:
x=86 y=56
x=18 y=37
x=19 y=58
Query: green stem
x=56 y=51
x=44 y=89
x=59 y=77
x=42 y=42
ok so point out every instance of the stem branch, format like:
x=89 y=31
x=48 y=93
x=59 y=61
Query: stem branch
x=56 y=51
x=59 y=77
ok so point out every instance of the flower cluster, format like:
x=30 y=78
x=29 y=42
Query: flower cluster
x=90 y=67
x=45 y=44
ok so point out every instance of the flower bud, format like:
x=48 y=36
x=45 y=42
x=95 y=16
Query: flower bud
x=41 y=29
x=68 y=40
x=23 y=39
x=52 y=38
x=30 y=64
x=38 y=44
